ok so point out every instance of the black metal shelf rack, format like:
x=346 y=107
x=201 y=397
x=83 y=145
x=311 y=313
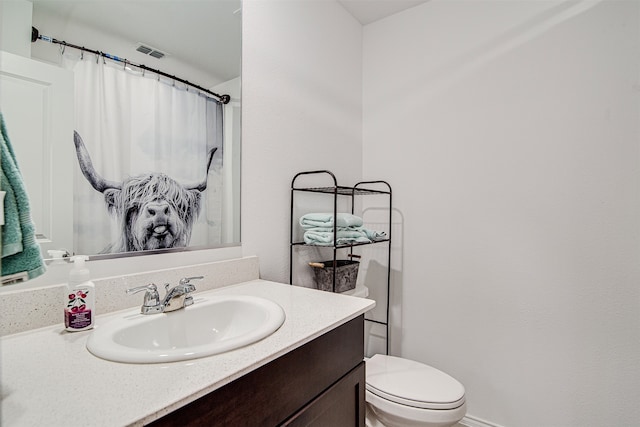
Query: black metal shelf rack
x=363 y=188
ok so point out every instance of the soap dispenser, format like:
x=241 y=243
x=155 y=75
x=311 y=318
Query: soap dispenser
x=79 y=309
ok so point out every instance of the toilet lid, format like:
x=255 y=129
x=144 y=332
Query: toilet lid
x=412 y=383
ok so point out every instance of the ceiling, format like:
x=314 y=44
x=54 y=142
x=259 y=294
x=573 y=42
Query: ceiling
x=368 y=11
x=202 y=39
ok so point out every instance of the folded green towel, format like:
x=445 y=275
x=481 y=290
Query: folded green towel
x=326 y=220
x=323 y=233
x=374 y=235
x=344 y=237
x=20 y=251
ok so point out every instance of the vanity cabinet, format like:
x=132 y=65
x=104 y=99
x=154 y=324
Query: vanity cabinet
x=321 y=383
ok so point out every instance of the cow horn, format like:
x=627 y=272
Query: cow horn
x=203 y=185
x=86 y=166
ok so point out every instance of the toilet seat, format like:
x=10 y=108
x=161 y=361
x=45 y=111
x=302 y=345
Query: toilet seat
x=413 y=384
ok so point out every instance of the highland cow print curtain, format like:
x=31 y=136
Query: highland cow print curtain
x=136 y=124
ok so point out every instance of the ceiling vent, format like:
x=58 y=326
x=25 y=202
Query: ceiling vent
x=156 y=54
x=147 y=50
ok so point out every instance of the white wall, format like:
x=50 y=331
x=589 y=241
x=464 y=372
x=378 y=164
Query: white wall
x=15 y=31
x=301 y=110
x=510 y=134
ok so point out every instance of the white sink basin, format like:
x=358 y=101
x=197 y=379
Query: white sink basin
x=210 y=326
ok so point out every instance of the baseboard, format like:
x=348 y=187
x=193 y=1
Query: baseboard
x=471 y=421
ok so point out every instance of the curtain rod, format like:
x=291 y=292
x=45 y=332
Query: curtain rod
x=35 y=35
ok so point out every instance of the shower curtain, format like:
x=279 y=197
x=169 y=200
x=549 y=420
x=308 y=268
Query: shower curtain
x=134 y=123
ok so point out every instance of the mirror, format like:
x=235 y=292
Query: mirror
x=194 y=41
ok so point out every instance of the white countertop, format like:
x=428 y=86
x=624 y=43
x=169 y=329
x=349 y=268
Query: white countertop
x=49 y=378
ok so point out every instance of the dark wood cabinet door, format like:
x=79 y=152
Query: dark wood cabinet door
x=341 y=405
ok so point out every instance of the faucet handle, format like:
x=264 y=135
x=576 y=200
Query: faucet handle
x=151 y=297
x=186 y=280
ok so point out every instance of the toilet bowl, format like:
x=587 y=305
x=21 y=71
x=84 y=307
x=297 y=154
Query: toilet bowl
x=405 y=393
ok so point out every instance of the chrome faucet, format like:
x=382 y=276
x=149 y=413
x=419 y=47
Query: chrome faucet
x=176 y=298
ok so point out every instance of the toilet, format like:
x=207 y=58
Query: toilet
x=405 y=393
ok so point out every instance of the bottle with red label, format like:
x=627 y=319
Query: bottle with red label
x=79 y=309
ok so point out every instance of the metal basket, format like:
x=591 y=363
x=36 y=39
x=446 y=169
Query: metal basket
x=346 y=275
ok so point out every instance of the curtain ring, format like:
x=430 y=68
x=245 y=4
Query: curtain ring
x=81 y=55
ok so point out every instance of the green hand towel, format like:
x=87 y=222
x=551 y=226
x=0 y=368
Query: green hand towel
x=20 y=251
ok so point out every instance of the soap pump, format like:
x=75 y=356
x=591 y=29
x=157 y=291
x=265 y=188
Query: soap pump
x=80 y=300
